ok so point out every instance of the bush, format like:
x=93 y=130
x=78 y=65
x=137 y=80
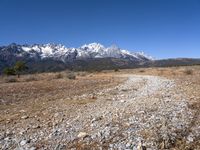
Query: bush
x=10 y=80
x=19 y=67
x=98 y=70
x=71 y=76
x=141 y=71
x=9 y=71
x=188 y=72
x=58 y=76
x=116 y=70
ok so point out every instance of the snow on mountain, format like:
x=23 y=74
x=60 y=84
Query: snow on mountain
x=93 y=46
x=146 y=55
x=60 y=52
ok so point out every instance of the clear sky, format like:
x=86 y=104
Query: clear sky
x=161 y=28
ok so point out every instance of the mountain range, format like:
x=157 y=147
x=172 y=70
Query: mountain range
x=94 y=56
x=60 y=52
x=60 y=56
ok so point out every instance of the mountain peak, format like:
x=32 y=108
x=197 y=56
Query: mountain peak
x=94 y=46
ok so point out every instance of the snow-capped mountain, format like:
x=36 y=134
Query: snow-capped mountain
x=96 y=50
x=57 y=52
x=60 y=52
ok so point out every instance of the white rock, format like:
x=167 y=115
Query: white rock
x=32 y=148
x=190 y=138
x=82 y=134
x=24 y=117
x=23 y=142
x=122 y=101
x=128 y=145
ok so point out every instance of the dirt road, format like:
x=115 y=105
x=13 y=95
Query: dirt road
x=143 y=111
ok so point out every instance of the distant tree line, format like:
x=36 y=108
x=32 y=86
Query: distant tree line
x=17 y=69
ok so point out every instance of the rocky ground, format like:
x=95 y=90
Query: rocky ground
x=128 y=111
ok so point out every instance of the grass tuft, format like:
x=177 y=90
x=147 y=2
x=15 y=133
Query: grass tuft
x=188 y=72
x=58 y=76
x=71 y=76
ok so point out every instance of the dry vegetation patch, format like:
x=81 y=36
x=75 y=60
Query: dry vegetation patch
x=40 y=91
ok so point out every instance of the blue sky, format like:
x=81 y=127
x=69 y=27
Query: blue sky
x=161 y=28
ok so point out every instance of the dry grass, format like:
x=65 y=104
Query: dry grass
x=35 y=96
x=82 y=74
x=10 y=79
x=169 y=72
x=30 y=79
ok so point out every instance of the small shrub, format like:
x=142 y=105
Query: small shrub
x=141 y=71
x=10 y=79
x=58 y=76
x=71 y=76
x=188 y=72
x=9 y=71
x=19 y=67
x=91 y=71
x=116 y=70
x=98 y=70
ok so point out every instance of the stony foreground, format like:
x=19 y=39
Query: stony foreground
x=143 y=112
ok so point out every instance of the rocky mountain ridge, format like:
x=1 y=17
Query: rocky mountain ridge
x=60 y=52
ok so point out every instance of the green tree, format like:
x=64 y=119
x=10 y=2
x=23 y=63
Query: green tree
x=9 y=71
x=19 y=67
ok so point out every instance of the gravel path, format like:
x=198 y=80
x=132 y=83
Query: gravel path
x=145 y=112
